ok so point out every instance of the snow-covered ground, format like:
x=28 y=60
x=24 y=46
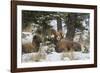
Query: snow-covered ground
x=54 y=56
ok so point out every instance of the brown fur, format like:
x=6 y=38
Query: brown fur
x=64 y=45
x=57 y=34
x=29 y=47
x=32 y=47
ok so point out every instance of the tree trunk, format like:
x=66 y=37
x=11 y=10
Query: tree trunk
x=71 y=21
x=59 y=24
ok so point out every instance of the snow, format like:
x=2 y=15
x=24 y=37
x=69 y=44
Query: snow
x=27 y=57
x=27 y=37
x=54 y=24
x=54 y=56
x=85 y=56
